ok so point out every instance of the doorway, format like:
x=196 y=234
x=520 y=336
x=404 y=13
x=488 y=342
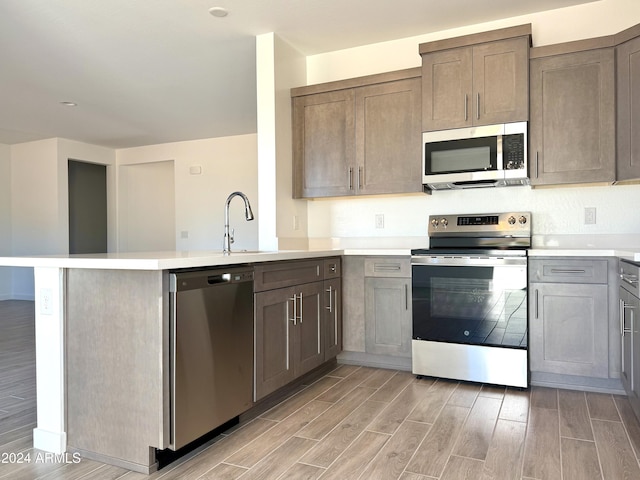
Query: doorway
x=87 y=207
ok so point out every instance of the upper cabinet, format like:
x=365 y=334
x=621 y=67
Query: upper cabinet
x=628 y=104
x=358 y=136
x=478 y=79
x=572 y=127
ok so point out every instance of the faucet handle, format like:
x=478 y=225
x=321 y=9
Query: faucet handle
x=232 y=238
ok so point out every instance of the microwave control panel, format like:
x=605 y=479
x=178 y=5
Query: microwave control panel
x=513 y=152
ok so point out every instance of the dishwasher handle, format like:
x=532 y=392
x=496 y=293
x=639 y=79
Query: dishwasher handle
x=222 y=278
x=199 y=279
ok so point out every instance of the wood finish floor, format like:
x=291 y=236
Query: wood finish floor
x=359 y=422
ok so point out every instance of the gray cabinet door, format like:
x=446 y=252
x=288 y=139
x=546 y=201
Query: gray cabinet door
x=332 y=318
x=273 y=340
x=572 y=128
x=501 y=81
x=568 y=329
x=388 y=316
x=628 y=106
x=447 y=79
x=482 y=84
x=324 y=144
x=388 y=133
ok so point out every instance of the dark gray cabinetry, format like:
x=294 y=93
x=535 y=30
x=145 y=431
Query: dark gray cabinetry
x=358 y=136
x=479 y=79
x=628 y=106
x=571 y=331
x=572 y=128
x=292 y=319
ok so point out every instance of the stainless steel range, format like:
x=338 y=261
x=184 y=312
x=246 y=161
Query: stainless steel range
x=470 y=299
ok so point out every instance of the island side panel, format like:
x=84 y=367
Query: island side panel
x=117 y=364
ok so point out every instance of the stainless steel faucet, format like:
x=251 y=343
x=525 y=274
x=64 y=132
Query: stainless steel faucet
x=248 y=214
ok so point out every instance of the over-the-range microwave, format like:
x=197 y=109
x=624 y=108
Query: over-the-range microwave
x=484 y=156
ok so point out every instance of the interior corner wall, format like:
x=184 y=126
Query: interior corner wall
x=280 y=67
x=5 y=219
x=39 y=200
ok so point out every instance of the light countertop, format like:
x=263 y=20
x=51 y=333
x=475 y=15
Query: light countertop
x=190 y=259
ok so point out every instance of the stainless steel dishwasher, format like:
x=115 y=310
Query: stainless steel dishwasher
x=211 y=355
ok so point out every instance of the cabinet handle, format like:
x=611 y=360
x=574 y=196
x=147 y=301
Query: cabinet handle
x=350 y=178
x=536 y=169
x=536 y=302
x=466 y=108
x=406 y=297
x=623 y=327
x=295 y=317
x=300 y=317
x=478 y=106
x=567 y=271
x=630 y=279
x=387 y=267
x=360 y=171
x=329 y=291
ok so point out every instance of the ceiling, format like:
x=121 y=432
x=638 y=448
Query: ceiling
x=145 y=72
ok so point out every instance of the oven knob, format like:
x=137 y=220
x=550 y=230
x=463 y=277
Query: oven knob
x=444 y=222
x=434 y=223
x=511 y=220
x=522 y=220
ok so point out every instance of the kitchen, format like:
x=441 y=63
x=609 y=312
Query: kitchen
x=350 y=223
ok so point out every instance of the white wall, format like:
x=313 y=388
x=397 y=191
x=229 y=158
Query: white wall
x=40 y=200
x=225 y=164
x=559 y=211
x=279 y=68
x=5 y=219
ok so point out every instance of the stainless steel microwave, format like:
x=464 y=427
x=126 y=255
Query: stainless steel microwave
x=484 y=156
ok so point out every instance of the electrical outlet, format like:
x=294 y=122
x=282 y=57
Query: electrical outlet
x=184 y=234
x=296 y=222
x=589 y=215
x=379 y=220
x=46 y=301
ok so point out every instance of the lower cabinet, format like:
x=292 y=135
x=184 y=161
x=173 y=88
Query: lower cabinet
x=569 y=329
x=572 y=321
x=388 y=316
x=297 y=328
x=387 y=297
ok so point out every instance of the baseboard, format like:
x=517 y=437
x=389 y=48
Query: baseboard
x=573 y=382
x=54 y=442
x=375 y=360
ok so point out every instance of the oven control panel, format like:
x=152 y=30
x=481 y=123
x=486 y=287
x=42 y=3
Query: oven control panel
x=495 y=224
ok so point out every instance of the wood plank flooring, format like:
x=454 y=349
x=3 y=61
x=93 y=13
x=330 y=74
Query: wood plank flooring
x=358 y=422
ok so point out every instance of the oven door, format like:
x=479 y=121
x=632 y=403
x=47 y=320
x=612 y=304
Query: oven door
x=470 y=300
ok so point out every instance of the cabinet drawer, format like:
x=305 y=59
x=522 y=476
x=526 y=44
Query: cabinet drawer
x=565 y=270
x=387 y=267
x=284 y=274
x=332 y=268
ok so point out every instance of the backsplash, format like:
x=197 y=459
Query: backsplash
x=557 y=213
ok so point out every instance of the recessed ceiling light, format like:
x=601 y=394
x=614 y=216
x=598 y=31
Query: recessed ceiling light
x=218 y=12
x=69 y=104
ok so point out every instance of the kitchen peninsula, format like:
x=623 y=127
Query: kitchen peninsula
x=102 y=348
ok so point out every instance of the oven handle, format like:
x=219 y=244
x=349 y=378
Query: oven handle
x=467 y=261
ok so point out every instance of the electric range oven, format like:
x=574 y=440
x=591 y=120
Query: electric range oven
x=470 y=299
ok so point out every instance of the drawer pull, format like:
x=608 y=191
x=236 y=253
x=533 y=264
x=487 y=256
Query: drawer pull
x=567 y=271
x=386 y=267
